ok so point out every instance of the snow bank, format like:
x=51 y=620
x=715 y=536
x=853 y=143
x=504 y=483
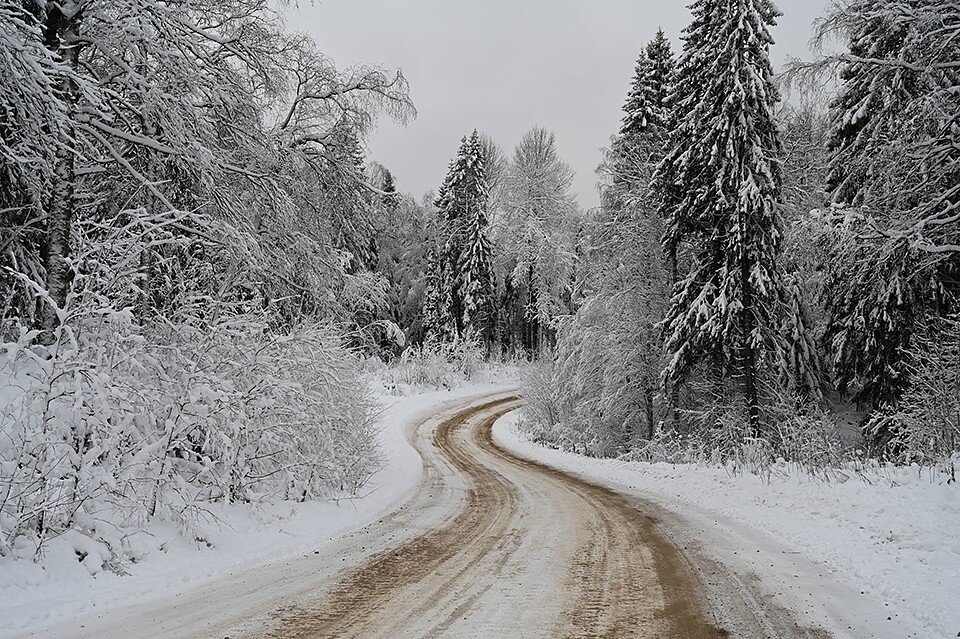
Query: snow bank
x=866 y=551
x=231 y=539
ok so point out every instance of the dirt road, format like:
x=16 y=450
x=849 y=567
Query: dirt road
x=529 y=552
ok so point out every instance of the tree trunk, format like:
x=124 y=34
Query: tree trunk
x=532 y=319
x=61 y=34
x=648 y=406
x=674 y=408
x=747 y=352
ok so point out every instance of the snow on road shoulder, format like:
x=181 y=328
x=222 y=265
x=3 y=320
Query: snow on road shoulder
x=233 y=539
x=861 y=560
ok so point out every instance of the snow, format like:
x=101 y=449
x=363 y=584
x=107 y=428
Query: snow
x=847 y=556
x=232 y=539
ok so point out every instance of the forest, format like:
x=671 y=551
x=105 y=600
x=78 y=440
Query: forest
x=200 y=266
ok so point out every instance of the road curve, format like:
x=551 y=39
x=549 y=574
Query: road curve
x=525 y=551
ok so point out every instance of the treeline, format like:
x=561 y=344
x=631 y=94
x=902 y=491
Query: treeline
x=493 y=262
x=756 y=263
x=196 y=257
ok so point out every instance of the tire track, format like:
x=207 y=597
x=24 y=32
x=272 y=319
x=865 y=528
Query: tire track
x=529 y=552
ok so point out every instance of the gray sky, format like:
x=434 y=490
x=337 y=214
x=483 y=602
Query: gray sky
x=502 y=66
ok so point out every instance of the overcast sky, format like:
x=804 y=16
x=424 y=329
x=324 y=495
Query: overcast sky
x=502 y=66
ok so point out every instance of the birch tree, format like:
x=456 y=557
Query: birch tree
x=536 y=239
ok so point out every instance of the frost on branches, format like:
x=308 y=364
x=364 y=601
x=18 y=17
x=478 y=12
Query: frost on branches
x=536 y=253
x=790 y=235
x=895 y=183
x=604 y=376
x=724 y=180
x=115 y=421
x=460 y=294
x=176 y=300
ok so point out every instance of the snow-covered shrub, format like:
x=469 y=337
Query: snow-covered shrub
x=113 y=421
x=123 y=414
x=598 y=390
x=434 y=364
x=924 y=428
x=548 y=420
x=542 y=397
x=807 y=436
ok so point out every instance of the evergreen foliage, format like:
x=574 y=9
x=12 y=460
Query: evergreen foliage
x=895 y=177
x=645 y=128
x=646 y=108
x=460 y=293
x=724 y=177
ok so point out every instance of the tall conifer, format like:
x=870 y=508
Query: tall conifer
x=646 y=108
x=463 y=276
x=723 y=174
x=892 y=118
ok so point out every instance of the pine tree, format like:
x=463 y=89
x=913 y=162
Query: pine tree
x=461 y=305
x=724 y=178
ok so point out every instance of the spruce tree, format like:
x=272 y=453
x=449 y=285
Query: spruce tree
x=438 y=325
x=476 y=284
x=462 y=302
x=724 y=179
x=644 y=128
x=885 y=168
x=868 y=112
x=646 y=108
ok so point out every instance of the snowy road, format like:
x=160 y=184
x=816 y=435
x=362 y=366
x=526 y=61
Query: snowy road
x=526 y=552
x=530 y=553
x=490 y=545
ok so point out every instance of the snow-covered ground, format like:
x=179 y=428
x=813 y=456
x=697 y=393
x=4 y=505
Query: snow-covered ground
x=235 y=538
x=861 y=559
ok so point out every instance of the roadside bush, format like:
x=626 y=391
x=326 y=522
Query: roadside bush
x=924 y=428
x=119 y=416
x=435 y=365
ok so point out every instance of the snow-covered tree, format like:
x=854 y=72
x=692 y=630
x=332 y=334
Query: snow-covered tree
x=647 y=108
x=495 y=167
x=171 y=107
x=895 y=183
x=165 y=175
x=923 y=427
x=724 y=181
x=535 y=241
x=610 y=351
x=460 y=298
x=646 y=124
x=405 y=260
x=30 y=114
x=895 y=133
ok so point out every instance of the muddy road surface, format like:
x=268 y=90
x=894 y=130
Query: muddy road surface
x=527 y=552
